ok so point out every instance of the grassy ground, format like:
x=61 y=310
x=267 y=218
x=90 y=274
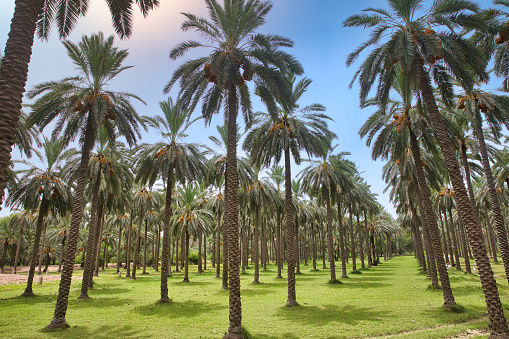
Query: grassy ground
x=391 y=300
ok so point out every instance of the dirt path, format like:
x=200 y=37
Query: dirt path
x=22 y=274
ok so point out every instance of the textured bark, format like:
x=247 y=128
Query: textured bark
x=145 y=249
x=495 y=204
x=342 y=244
x=464 y=246
x=17 y=249
x=361 y=242
x=490 y=235
x=185 y=246
x=232 y=215
x=313 y=239
x=352 y=239
x=218 y=248
x=77 y=214
x=498 y=324
x=430 y=222
x=13 y=77
x=290 y=242
x=199 y=253
x=444 y=236
x=367 y=238
x=128 y=247
x=166 y=238
x=256 y=249
x=279 y=259
x=330 y=240
x=41 y=250
x=86 y=282
x=98 y=242
x=119 y=247
x=224 y=285
x=454 y=241
x=138 y=244
x=418 y=241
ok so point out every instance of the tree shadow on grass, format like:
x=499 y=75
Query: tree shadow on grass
x=100 y=302
x=320 y=316
x=108 y=290
x=19 y=300
x=356 y=284
x=105 y=331
x=187 y=309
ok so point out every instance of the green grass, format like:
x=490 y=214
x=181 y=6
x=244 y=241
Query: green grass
x=390 y=301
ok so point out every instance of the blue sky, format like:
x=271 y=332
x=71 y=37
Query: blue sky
x=321 y=44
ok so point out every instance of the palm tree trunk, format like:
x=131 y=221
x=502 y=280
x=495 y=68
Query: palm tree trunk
x=204 y=251
x=86 y=282
x=342 y=245
x=290 y=242
x=145 y=249
x=231 y=225
x=322 y=233
x=352 y=239
x=495 y=204
x=185 y=246
x=13 y=77
x=166 y=238
x=77 y=214
x=418 y=241
x=464 y=245
x=498 y=324
x=490 y=235
x=361 y=242
x=448 y=236
x=98 y=243
x=128 y=249
x=330 y=240
x=138 y=244
x=313 y=239
x=454 y=241
x=256 y=248
x=430 y=223
x=119 y=247
x=279 y=259
x=17 y=250
x=41 y=251
x=444 y=236
x=218 y=246
x=199 y=253
x=367 y=238
x=224 y=285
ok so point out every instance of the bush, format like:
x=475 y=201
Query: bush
x=193 y=258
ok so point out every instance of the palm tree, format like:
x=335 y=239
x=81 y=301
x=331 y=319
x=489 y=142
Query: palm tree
x=419 y=51
x=258 y=196
x=42 y=188
x=170 y=160
x=493 y=108
x=287 y=129
x=190 y=217
x=321 y=177
x=81 y=104
x=218 y=78
x=32 y=15
x=23 y=221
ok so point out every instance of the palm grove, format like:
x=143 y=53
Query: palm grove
x=115 y=199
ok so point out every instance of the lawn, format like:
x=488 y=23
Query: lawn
x=390 y=300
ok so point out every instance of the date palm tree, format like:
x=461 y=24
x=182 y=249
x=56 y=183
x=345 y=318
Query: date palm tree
x=401 y=36
x=191 y=218
x=42 y=188
x=238 y=54
x=80 y=104
x=287 y=130
x=32 y=15
x=171 y=160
